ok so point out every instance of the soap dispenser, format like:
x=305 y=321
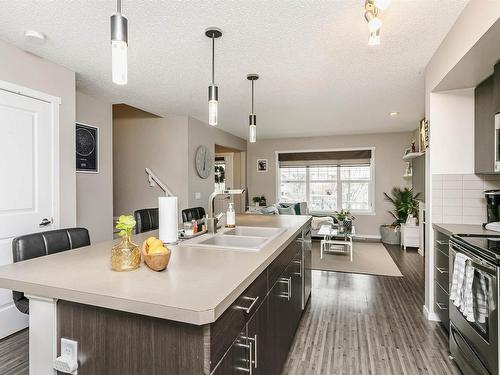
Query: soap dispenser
x=230 y=216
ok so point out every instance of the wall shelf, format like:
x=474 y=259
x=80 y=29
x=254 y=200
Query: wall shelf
x=412 y=155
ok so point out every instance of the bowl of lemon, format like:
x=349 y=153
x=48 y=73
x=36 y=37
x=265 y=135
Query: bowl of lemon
x=156 y=255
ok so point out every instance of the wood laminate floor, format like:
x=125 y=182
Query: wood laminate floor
x=14 y=354
x=361 y=324
x=354 y=324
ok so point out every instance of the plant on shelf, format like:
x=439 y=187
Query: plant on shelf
x=405 y=205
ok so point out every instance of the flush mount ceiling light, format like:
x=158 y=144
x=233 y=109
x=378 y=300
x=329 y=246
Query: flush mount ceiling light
x=393 y=113
x=252 y=117
x=119 y=45
x=372 y=8
x=213 y=90
x=34 y=35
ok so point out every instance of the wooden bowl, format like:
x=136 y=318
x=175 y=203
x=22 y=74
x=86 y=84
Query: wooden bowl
x=157 y=262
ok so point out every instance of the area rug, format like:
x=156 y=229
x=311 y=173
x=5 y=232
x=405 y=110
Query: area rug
x=369 y=258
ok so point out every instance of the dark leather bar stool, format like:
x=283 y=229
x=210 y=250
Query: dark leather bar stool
x=195 y=213
x=36 y=245
x=146 y=219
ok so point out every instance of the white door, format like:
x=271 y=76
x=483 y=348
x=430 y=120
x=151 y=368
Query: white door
x=26 y=187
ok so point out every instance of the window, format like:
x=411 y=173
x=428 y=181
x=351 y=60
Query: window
x=327 y=188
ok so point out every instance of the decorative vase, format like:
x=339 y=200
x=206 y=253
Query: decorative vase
x=126 y=255
x=347 y=224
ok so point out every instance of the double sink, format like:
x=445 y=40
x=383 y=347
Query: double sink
x=239 y=238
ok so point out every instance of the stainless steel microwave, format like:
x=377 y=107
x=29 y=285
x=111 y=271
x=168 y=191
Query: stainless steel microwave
x=497 y=142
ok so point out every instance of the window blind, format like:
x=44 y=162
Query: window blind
x=302 y=159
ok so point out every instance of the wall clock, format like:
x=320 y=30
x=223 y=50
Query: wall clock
x=203 y=161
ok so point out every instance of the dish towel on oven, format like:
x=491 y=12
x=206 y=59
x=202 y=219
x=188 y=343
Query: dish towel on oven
x=482 y=299
x=467 y=302
x=457 y=283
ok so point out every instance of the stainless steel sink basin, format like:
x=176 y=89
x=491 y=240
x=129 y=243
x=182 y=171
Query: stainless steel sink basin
x=255 y=232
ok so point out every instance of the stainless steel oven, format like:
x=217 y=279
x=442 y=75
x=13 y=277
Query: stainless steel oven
x=474 y=345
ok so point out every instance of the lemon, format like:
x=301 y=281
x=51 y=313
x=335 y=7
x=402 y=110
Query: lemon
x=150 y=240
x=157 y=250
x=155 y=243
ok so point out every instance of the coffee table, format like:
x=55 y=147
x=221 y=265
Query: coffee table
x=335 y=241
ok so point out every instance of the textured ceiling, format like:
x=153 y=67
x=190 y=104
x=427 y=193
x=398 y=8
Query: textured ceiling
x=318 y=75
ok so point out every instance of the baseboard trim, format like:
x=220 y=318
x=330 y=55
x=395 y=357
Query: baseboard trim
x=432 y=316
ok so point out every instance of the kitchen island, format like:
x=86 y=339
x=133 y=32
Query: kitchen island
x=213 y=311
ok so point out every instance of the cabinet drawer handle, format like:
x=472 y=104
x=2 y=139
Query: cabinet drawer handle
x=249 y=308
x=253 y=339
x=440 y=242
x=441 y=306
x=288 y=282
x=300 y=267
x=248 y=346
x=441 y=270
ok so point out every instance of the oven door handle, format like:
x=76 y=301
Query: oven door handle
x=476 y=262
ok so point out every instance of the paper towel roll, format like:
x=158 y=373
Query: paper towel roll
x=168 y=219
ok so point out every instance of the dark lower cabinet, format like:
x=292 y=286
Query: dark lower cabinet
x=258 y=335
x=262 y=347
x=236 y=359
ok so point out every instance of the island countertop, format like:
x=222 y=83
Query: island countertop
x=197 y=287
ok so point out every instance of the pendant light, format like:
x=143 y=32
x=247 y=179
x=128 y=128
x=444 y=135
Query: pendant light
x=119 y=44
x=213 y=90
x=252 y=117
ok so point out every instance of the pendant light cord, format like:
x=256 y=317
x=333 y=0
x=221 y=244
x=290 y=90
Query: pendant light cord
x=252 y=96
x=118 y=6
x=213 y=60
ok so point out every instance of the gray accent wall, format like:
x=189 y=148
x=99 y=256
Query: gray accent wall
x=142 y=140
x=389 y=168
x=167 y=146
x=199 y=133
x=28 y=70
x=94 y=191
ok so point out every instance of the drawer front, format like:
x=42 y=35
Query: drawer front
x=441 y=271
x=277 y=267
x=442 y=242
x=441 y=306
x=225 y=329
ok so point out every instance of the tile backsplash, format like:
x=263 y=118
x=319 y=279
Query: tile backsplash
x=459 y=198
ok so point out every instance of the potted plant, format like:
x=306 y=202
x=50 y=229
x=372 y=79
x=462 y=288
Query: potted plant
x=405 y=205
x=260 y=201
x=344 y=219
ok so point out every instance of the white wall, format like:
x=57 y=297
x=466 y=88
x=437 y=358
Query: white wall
x=442 y=109
x=94 y=191
x=452 y=132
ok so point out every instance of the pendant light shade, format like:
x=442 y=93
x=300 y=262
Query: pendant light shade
x=213 y=90
x=119 y=44
x=252 y=117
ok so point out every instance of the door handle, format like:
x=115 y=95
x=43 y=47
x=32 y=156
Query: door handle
x=45 y=222
x=254 y=340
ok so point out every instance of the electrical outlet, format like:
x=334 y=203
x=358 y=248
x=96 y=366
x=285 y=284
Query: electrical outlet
x=67 y=362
